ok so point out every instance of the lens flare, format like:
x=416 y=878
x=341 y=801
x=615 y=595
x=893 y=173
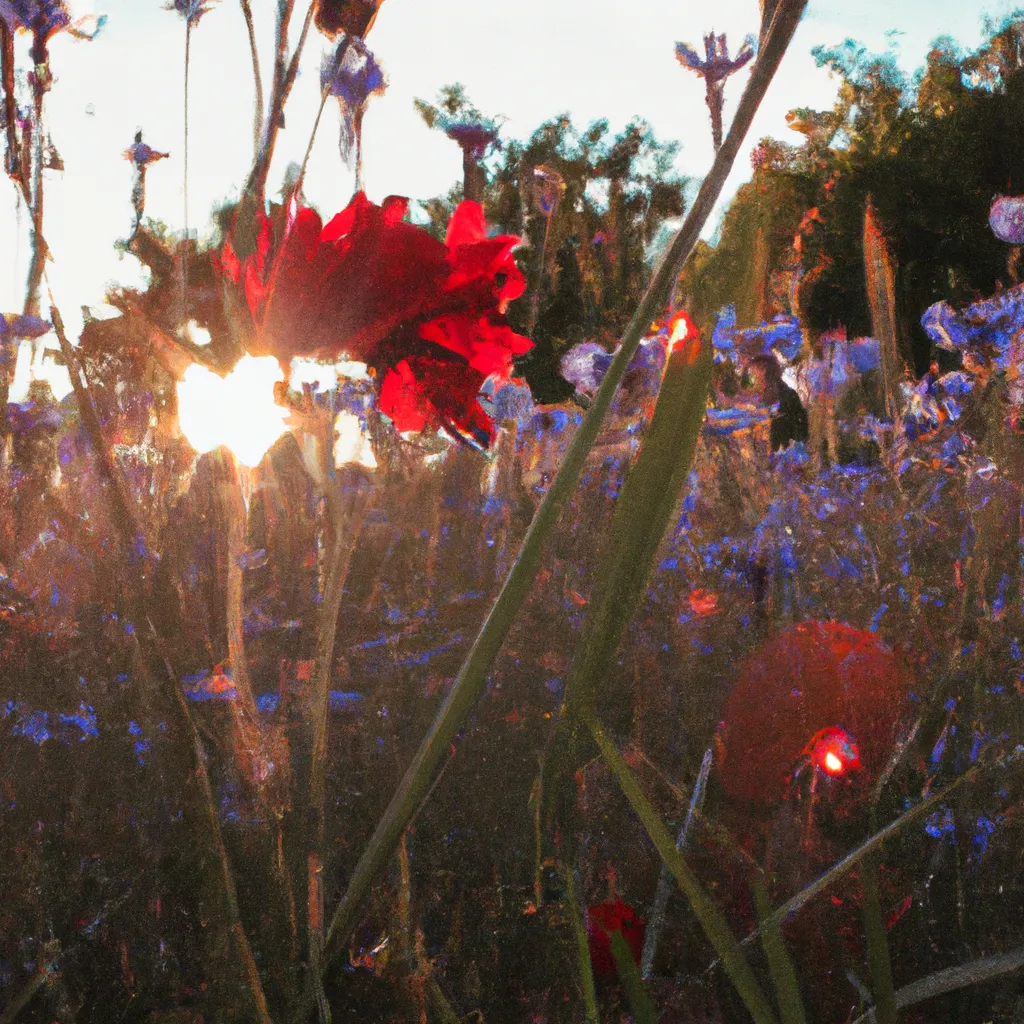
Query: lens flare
x=237 y=411
x=833 y=751
x=351 y=443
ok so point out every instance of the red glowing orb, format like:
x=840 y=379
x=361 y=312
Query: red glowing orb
x=833 y=751
x=796 y=688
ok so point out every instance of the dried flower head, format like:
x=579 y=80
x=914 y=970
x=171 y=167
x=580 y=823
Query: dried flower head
x=190 y=10
x=352 y=17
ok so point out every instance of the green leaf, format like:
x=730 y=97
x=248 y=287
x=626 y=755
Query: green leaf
x=787 y=987
x=579 y=930
x=629 y=974
x=879 y=961
x=708 y=913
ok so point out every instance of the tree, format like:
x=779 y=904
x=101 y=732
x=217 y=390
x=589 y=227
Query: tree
x=475 y=134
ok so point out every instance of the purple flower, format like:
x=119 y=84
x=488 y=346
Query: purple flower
x=47 y=17
x=140 y=154
x=190 y=10
x=353 y=75
x=716 y=64
x=14 y=326
x=357 y=77
x=474 y=136
x=1006 y=218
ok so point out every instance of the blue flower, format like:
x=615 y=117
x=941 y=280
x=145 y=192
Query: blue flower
x=190 y=10
x=353 y=75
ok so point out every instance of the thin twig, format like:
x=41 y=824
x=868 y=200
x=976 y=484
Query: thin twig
x=473 y=673
x=706 y=910
x=184 y=188
x=875 y=842
x=347 y=529
x=285 y=73
x=952 y=979
x=664 y=890
x=325 y=93
x=579 y=930
x=257 y=123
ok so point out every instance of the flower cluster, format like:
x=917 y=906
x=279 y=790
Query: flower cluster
x=427 y=316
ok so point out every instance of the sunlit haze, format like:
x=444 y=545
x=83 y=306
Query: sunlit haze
x=587 y=57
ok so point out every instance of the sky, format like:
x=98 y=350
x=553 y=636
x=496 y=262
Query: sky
x=525 y=62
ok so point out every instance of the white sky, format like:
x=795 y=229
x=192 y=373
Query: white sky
x=527 y=61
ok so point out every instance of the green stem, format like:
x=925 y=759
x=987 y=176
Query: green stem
x=879 y=960
x=184 y=186
x=325 y=93
x=952 y=979
x=780 y=963
x=579 y=930
x=346 y=533
x=257 y=121
x=637 y=996
x=285 y=73
x=473 y=674
x=130 y=534
x=707 y=912
x=855 y=856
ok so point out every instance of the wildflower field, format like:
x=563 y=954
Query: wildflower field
x=524 y=610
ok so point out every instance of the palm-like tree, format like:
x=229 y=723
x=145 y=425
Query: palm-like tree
x=715 y=67
x=475 y=134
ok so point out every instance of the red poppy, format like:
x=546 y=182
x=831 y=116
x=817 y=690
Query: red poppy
x=703 y=602
x=427 y=315
x=354 y=17
x=818 y=688
x=602 y=920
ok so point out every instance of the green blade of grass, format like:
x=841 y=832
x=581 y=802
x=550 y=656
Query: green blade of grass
x=629 y=974
x=579 y=930
x=708 y=913
x=441 y=1009
x=879 y=961
x=644 y=507
x=657 y=916
x=875 y=842
x=473 y=674
x=787 y=987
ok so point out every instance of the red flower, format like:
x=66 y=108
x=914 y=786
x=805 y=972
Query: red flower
x=602 y=920
x=427 y=315
x=818 y=688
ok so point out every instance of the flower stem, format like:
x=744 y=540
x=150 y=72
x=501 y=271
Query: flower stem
x=184 y=187
x=325 y=92
x=710 y=916
x=40 y=57
x=285 y=73
x=347 y=528
x=473 y=674
x=12 y=158
x=257 y=123
x=131 y=536
x=579 y=930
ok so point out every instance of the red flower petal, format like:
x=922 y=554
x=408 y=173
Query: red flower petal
x=395 y=209
x=441 y=393
x=487 y=347
x=228 y=263
x=478 y=261
x=402 y=400
x=602 y=920
x=467 y=225
x=376 y=287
